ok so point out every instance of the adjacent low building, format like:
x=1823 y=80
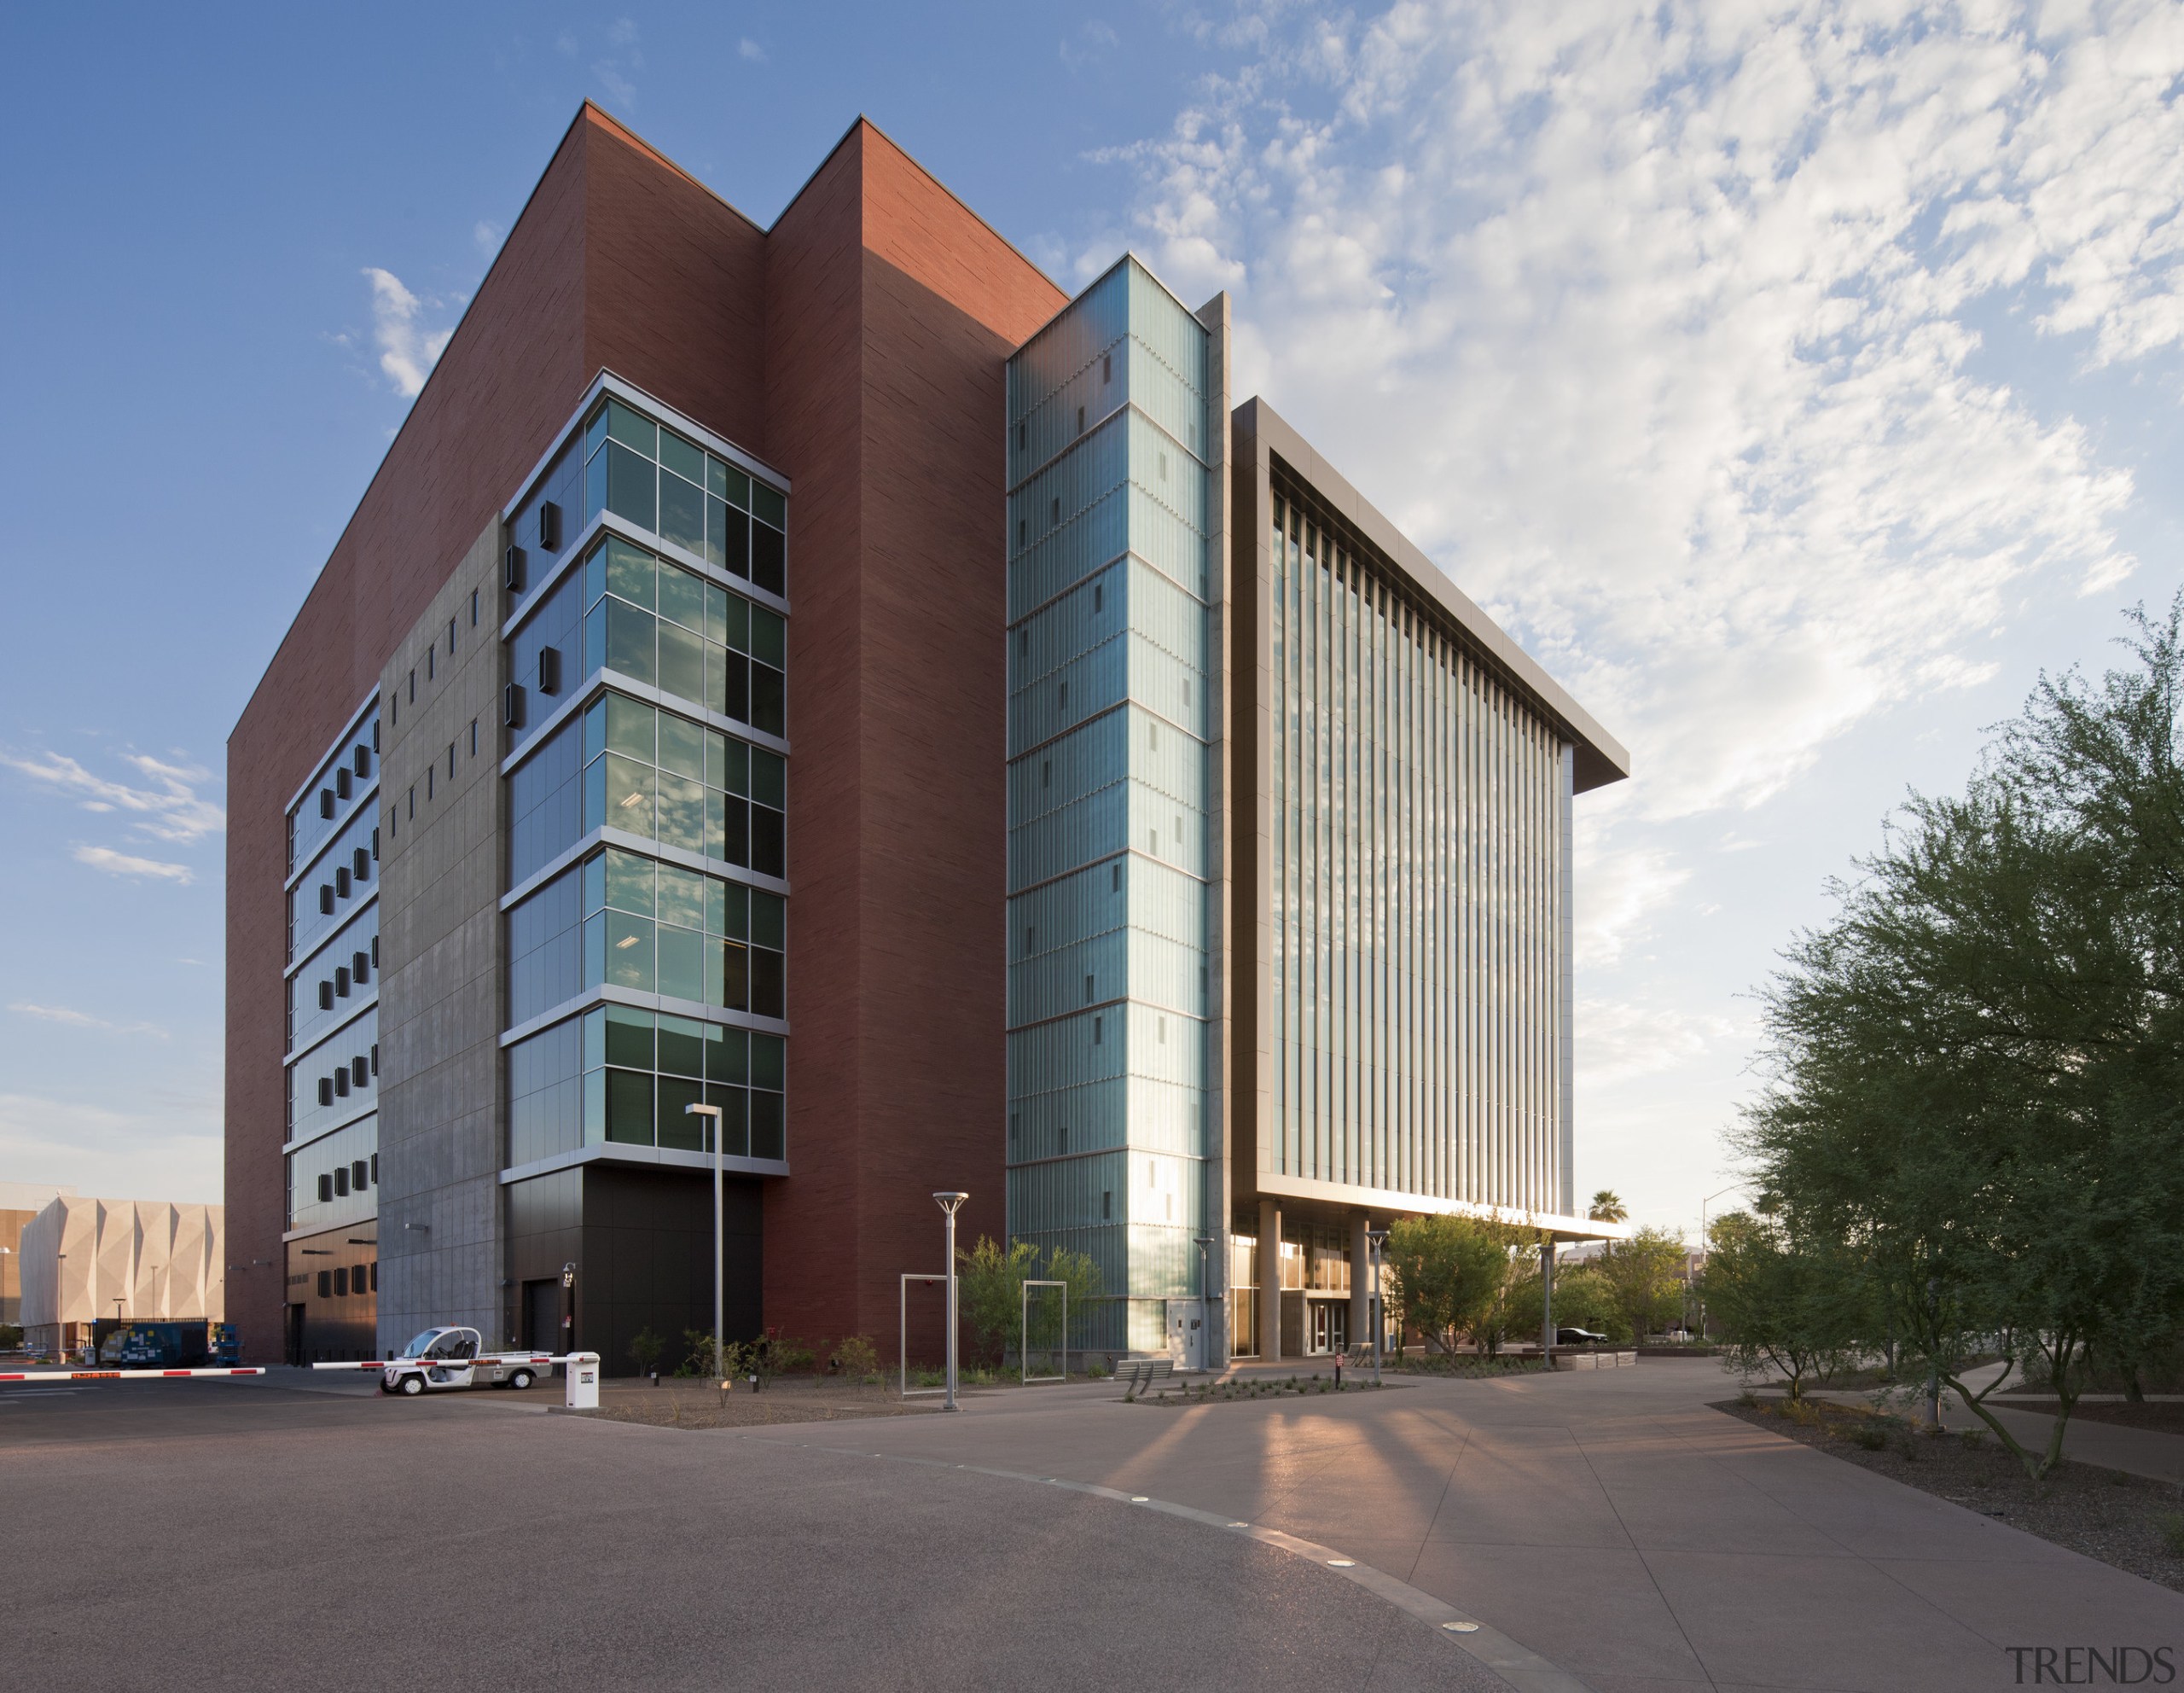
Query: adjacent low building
x=825 y=674
x=87 y=1259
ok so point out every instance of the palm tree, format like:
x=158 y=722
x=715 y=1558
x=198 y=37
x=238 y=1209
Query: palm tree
x=1608 y=1207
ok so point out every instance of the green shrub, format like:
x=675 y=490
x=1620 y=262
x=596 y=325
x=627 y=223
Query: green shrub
x=857 y=1358
x=2171 y=1525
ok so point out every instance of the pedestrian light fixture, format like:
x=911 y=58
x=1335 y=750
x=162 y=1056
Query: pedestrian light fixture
x=949 y=1204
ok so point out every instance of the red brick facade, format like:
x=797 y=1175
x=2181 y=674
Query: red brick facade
x=859 y=347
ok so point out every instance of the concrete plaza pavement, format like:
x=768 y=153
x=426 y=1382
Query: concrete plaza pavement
x=1610 y=1521
x=310 y=1533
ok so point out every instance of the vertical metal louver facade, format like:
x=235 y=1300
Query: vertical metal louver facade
x=1419 y=972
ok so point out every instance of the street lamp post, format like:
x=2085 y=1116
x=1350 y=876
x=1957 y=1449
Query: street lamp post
x=711 y=1113
x=1205 y=1244
x=1705 y=1245
x=949 y=1204
x=1375 y=1239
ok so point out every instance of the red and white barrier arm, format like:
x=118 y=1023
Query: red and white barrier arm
x=502 y=1359
x=115 y=1375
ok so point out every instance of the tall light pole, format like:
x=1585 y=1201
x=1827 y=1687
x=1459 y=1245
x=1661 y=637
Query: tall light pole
x=1705 y=1244
x=1375 y=1239
x=1206 y=1243
x=949 y=1204
x=712 y=1114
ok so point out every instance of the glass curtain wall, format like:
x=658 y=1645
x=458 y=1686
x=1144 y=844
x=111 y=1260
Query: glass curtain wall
x=1110 y=718
x=651 y=785
x=1419 y=897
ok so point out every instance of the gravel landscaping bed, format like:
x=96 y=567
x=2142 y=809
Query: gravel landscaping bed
x=1246 y=1389
x=701 y=1404
x=2132 y=1521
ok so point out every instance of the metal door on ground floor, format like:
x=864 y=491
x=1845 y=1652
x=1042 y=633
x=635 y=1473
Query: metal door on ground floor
x=1330 y=1325
x=542 y=1316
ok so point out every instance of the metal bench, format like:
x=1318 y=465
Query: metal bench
x=1135 y=1375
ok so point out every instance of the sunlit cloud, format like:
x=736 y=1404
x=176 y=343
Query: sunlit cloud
x=123 y=863
x=71 y=1018
x=407 y=350
x=169 y=807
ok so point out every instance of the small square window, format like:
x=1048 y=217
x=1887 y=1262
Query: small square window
x=1023 y=437
x=326 y=1093
x=1080 y=420
x=375 y=1183
x=326 y=995
x=341 y=1181
x=363 y=761
x=325 y=1189
x=1097 y=594
x=1115 y=876
x=1057 y=509
x=1088 y=990
x=1097 y=1029
x=1106 y=367
x=360 y=1073
x=1107 y=1205
x=341 y=981
x=1046 y=773
x=326 y=802
x=341 y=1281
x=374 y=1261
x=360 y=864
x=358 y=1172
x=325 y=899
x=326 y=1284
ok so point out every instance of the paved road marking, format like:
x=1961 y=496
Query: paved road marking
x=1522 y=1669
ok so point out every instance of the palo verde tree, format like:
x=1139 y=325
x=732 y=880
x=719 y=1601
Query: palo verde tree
x=1782 y=1301
x=1976 y=1070
x=1446 y=1276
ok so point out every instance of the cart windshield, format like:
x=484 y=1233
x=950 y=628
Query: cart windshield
x=417 y=1347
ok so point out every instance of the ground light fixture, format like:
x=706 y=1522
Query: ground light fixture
x=711 y=1113
x=949 y=1204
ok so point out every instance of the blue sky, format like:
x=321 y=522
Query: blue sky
x=1795 y=381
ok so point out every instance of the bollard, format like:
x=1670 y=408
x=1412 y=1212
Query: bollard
x=583 y=1382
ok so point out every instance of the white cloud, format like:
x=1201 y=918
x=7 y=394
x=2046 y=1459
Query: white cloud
x=485 y=236
x=122 y=864
x=83 y=1019
x=1617 y=1042
x=407 y=350
x=752 y=50
x=169 y=809
x=1657 y=324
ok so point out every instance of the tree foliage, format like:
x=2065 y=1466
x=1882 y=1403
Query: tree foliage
x=1976 y=1070
x=1643 y=1279
x=990 y=1281
x=1450 y=1277
x=1793 y=1303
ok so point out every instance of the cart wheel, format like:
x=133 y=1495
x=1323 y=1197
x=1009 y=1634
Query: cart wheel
x=383 y=1387
x=521 y=1380
x=413 y=1385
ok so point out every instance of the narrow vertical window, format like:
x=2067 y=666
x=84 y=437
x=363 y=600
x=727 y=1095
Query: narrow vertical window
x=413 y=800
x=473 y=738
x=413 y=687
x=473 y=607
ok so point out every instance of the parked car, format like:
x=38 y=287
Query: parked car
x=1579 y=1337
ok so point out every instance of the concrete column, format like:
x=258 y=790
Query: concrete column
x=1361 y=1280
x=1270 y=1279
x=1547 y=1298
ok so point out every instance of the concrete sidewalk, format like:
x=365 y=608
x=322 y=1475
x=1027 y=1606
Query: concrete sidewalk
x=2111 y=1446
x=1610 y=1521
